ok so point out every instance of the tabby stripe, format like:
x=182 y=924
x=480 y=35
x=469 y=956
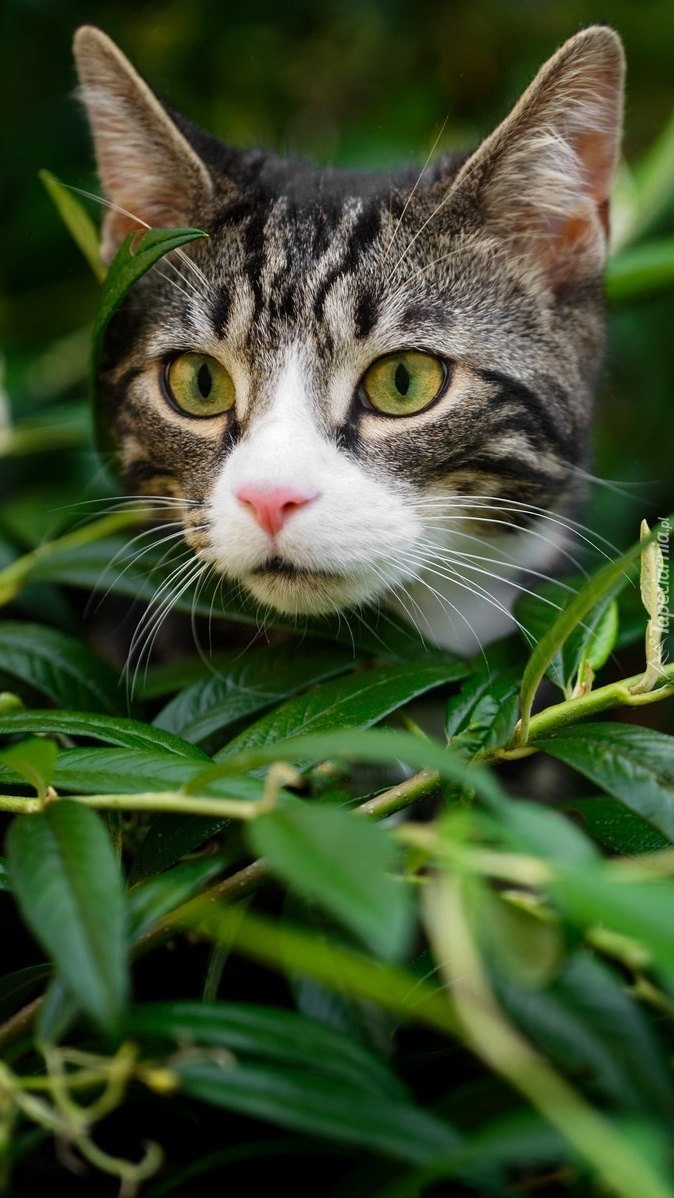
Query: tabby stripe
x=516 y=394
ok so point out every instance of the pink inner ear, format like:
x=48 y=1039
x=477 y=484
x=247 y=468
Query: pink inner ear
x=596 y=153
x=142 y=211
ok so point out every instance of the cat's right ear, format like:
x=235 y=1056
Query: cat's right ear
x=149 y=172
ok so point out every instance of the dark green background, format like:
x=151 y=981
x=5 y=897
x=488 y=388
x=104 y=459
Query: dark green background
x=366 y=82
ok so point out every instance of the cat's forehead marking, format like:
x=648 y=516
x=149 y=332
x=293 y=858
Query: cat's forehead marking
x=288 y=258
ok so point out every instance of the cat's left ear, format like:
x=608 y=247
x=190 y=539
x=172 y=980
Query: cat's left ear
x=149 y=171
x=542 y=180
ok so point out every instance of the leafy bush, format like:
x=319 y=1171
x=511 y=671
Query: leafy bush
x=241 y=962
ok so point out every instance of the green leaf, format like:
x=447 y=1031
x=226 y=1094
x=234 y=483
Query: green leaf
x=591 y=641
x=357 y=701
x=69 y=890
x=651 y=186
x=113 y=730
x=290 y=949
x=117 y=565
x=616 y=827
x=248 y=683
x=149 y=903
x=77 y=220
x=483 y=714
x=641 y=271
x=137 y=254
x=606 y=582
x=134 y=771
x=344 y=863
x=266 y=1032
x=633 y=764
x=20 y=987
x=58 y=1013
x=588 y=1023
x=34 y=760
x=381 y=745
x=58 y=666
x=171 y=837
x=640 y=910
x=322 y=1106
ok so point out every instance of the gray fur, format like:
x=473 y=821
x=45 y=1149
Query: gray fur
x=490 y=261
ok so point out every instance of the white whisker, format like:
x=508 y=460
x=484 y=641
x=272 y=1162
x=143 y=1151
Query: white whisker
x=408 y=201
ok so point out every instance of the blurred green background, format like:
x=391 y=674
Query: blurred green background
x=341 y=81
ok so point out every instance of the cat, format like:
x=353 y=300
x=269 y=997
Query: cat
x=364 y=387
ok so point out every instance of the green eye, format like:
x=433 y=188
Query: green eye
x=403 y=383
x=199 y=385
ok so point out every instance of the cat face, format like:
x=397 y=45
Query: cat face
x=360 y=386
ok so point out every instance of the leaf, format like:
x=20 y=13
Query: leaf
x=381 y=745
x=591 y=641
x=652 y=184
x=77 y=220
x=58 y=666
x=58 y=1013
x=641 y=271
x=114 y=565
x=113 y=730
x=616 y=827
x=171 y=837
x=69 y=889
x=322 y=1106
x=607 y=581
x=290 y=949
x=34 y=760
x=640 y=910
x=137 y=254
x=356 y=701
x=272 y=1034
x=19 y=988
x=588 y=1023
x=483 y=714
x=133 y=771
x=633 y=764
x=342 y=862
x=150 y=902
x=248 y=683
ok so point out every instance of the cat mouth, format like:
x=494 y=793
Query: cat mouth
x=297 y=590
x=280 y=568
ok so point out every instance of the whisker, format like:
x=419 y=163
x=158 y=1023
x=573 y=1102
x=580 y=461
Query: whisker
x=519 y=507
x=134 y=559
x=414 y=189
x=144 y=637
x=456 y=560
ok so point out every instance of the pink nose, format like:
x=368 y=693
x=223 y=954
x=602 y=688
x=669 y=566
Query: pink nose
x=271 y=507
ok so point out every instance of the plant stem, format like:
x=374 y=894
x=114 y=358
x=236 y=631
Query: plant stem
x=503 y=1047
x=615 y=694
x=15 y=576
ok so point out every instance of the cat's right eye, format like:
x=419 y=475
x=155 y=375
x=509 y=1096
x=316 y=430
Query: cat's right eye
x=198 y=385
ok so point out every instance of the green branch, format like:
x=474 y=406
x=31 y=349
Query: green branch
x=18 y=574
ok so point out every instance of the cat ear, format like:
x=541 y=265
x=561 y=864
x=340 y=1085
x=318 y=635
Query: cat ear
x=542 y=180
x=148 y=169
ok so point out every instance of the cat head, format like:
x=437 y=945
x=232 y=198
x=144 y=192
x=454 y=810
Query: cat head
x=363 y=385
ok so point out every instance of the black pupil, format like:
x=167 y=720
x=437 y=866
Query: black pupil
x=402 y=379
x=204 y=381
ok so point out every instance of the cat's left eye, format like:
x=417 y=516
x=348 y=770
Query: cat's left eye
x=403 y=383
x=198 y=385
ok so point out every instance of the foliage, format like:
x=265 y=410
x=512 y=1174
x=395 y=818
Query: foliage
x=220 y=952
